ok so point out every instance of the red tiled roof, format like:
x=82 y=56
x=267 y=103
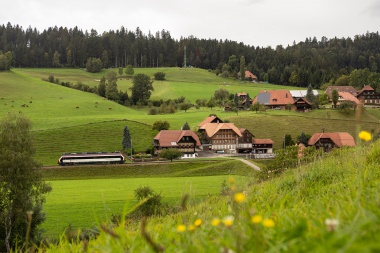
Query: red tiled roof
x=339 y=138
x=348 y=97
x=365 y=88
x=209 y=120
x=262 y=141
x=249 y=74
x=212 y=128
x=276 y=97
x=170 y=138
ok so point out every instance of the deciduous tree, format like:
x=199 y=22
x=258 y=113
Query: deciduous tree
x=22 y=188
x=170 y=154
x=334 y=97
x=141 y=88
x=129 y=71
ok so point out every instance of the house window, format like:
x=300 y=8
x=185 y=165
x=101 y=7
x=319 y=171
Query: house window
x=275 y=100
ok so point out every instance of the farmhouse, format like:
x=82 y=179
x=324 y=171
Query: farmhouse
x=348 y=97
x=251 y=77
x=245 y=141
x=328 y=141
x=219 y=136
x=302 y=105
x=184 y=140
x=275 y=99
x=262 y=146
x=348 y=89
x=368 y=96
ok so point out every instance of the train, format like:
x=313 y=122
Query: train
x=91 y=158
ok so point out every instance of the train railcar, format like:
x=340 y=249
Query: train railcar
x=91 y=158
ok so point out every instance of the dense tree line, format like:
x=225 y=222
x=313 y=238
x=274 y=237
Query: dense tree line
x=310 y=62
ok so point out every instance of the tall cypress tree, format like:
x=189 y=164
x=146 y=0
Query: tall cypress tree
x=126 y=143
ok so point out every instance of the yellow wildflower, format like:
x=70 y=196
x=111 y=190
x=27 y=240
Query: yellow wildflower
x=365 y=136
x=231 y=180
x=197 y=222
x=228 y=221
x=239 y=197
x=268 y=223
x=191 y=227
x=215 y=222
x=257 y=219
x=181 y=228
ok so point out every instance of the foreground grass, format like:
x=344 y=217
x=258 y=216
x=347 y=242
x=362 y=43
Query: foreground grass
x=331 y=205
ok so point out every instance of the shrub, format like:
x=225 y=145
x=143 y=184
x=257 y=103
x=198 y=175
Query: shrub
x=159 y=76
x=94 y=65
x=152 y=111
x=152 y=206
x=161 y=125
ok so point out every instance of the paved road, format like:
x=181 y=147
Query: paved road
x=255 y=167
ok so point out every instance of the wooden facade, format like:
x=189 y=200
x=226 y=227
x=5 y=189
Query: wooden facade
x=184 y=140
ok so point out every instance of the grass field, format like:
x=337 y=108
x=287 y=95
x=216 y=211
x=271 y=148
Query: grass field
x=67 y=120
x=84 y=197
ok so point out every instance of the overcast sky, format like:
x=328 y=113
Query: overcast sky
x=254 y=22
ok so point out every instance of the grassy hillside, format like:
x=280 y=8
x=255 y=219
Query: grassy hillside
x=191 y=83
x=330 y=205
x=67 y=120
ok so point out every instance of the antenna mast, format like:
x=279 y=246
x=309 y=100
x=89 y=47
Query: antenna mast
x=184 y=57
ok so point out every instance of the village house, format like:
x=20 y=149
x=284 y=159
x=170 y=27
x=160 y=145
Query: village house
x=348 y=89
x=275 y=99
x=245 y=141
x=251 y=77
x=368 y=96
x=220 y=137
x=262 y=148
x=184 y=140
x=348 y=97
x=302 y=105
x=328 y=141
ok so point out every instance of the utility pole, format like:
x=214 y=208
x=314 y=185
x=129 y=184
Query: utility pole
x=131 y=151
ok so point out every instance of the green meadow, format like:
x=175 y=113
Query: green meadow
x=67 y=120
x=85 y=197
x=343 y=186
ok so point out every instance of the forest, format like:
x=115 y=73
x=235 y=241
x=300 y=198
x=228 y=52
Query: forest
x=312 y=61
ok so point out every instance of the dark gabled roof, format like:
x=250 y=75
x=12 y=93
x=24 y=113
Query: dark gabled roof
x=242 y=130
x=170 y=138
x=210 y=119
x=340 y=139
x=348 y=89
x=302 y=100
x=366 y=88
